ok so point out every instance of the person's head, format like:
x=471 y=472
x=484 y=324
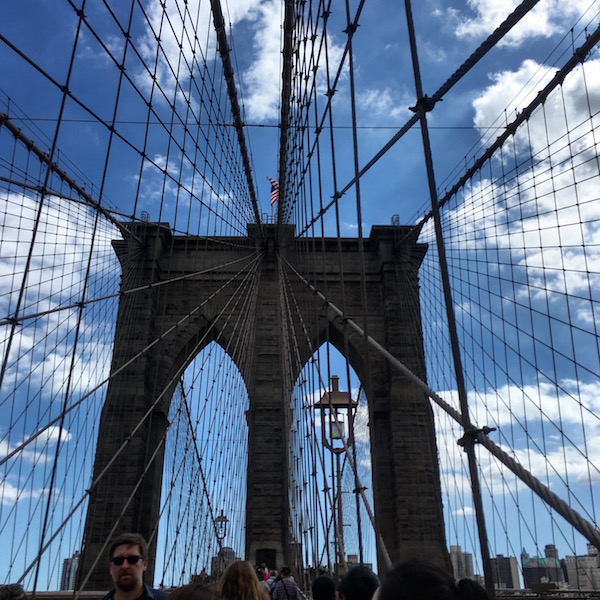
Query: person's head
x=128 y=559
x=12 y=591
x=359 y=583
x=323 y=588
x=195 y=591
x=285 y=572
x=239 y=582
x=416 y=580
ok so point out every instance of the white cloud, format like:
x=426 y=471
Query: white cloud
x=510 y=91
x=465 y=511
x=554 y=432
x=183 y=36
x=543 y=213
x=547 y=18
x=11 y=494
x=41 y=348
x=262 y=81
x=382 y=103
x=361 y=425
x=37 y=451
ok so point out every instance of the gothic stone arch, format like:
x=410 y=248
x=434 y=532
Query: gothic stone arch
x=150 y=350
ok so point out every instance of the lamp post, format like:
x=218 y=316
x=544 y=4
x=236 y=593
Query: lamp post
x=221 y=531
x=337 y=411
x=221 y=527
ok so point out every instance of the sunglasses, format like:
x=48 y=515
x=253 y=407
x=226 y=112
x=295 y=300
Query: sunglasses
x=119 y=560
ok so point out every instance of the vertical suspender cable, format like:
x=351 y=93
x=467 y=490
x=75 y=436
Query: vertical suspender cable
x=425 y=104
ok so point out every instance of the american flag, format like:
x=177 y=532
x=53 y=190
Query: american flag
x=274 y=190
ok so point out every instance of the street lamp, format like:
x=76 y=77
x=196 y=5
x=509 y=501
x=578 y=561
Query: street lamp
x=337 y=420
x=337 y=410
x=221 y=526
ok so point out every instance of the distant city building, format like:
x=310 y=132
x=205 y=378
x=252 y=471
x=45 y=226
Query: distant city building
x=462 y=563
x=219 y=563
x=506 y=572
x=584 y=571
x=69 y=571
x=547 y=569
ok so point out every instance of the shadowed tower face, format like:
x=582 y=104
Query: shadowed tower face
x=151 y=349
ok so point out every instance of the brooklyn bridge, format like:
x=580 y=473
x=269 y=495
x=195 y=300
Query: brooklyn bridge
x=301 y=282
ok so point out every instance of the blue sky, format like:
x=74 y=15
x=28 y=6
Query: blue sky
x=447 y=34
x=465 y=122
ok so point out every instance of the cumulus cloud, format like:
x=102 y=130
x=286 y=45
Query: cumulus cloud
x=262 y=80
x=554 y=433
x=10 y=494
x=38 y=450
x=540 y=208
x=465 y=511
x=41 y=349
x=547 y=18
x=535 y=205
x=183 y=38
x=383 y=103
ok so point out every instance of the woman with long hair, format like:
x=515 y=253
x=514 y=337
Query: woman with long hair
x=195 y=591
x=240 y=582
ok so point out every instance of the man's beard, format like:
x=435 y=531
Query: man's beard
x=128 y=585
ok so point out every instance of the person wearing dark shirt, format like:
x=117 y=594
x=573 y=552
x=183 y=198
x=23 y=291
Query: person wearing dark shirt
x=286 y=588
x=128 y=561
x=417 y=580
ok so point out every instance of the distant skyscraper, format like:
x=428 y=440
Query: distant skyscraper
x=69 y=571
x=506 y=572
x=542 y=570
x=224 y=558
x=584 y=571
x=462 y=563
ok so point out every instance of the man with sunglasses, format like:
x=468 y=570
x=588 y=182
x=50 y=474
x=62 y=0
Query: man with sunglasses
x=128 y=559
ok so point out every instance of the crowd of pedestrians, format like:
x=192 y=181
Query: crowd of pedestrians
x=411 y=580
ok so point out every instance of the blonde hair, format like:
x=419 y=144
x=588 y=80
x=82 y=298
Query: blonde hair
x=240 y=582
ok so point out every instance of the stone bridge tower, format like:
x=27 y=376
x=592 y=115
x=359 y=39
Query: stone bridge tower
x=406 y=485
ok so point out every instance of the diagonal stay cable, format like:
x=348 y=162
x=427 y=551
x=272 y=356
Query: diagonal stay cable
x=119 y=370
x=467 y=65
x=360 y=488
x=577 y=58
x=142 y=419
x=584 y=527
x=245 y=299
x=321 y=450
x=224 y=51
x=46 y=159
x=122 y=293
